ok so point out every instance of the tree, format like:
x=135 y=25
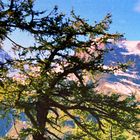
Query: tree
x=112 y=132
x=55 y=78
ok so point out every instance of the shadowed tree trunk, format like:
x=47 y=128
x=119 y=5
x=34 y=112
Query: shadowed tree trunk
x=42 y=112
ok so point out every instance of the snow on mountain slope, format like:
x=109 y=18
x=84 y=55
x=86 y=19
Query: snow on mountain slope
x=124 y=82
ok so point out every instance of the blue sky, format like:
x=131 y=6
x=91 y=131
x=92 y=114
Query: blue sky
x=125 y=13
x=125 y=16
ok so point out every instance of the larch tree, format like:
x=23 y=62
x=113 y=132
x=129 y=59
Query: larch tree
x=54 y=80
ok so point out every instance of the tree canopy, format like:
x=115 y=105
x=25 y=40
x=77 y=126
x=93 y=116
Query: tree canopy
x=55 y=79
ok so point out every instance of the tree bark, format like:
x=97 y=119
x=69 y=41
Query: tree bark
x=39 y=137
x=41 y=116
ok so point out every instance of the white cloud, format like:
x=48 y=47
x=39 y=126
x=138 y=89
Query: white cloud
x=137 y=6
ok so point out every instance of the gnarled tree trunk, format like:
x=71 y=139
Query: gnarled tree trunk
x=41 y=116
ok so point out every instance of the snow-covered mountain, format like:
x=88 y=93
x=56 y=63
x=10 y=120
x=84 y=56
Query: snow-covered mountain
x=128 y=81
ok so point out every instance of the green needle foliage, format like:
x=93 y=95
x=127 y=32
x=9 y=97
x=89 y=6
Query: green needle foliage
x=51 y=79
